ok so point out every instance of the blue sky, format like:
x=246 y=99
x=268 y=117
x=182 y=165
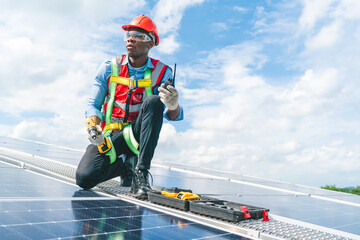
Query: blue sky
x=269 y=88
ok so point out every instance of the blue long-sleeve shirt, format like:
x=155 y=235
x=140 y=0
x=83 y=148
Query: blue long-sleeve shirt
x=100 y=87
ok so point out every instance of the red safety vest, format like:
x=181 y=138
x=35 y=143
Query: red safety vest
x=130 y=100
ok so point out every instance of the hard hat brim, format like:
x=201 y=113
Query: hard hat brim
x=127 y=26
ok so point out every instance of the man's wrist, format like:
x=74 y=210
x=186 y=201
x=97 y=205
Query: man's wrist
x=173 y=114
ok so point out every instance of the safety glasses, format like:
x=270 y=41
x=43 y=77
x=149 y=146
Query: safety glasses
x=137 y=36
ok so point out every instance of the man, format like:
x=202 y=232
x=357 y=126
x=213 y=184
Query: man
x=132 y=114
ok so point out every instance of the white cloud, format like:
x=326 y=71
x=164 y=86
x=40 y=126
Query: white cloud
x=313 y=12
x=305 y=130
x=286 y=147
x=168 y=45
x=313 y=93
x=50 y=52
x=240 y=9
x=328 y=36
x=167 y=16
x=348 y=9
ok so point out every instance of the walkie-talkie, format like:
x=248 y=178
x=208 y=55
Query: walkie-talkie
x=171 y=81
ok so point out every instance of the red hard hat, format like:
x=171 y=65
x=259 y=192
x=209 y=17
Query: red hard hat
x=144 y=23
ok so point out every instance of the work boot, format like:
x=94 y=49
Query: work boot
x=140 y=183
x=129 y=169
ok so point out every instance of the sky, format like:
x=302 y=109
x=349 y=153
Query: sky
x=270 y=88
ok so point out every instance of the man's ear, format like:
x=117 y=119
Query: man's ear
x=151 y=44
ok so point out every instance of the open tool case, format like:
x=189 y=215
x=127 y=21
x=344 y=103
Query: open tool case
x=209 y=206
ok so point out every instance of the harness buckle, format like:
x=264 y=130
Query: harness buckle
x=132 y=82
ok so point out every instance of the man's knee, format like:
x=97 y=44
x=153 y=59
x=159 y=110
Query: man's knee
x=84 y=179
x=85 y=171
x=154 y=103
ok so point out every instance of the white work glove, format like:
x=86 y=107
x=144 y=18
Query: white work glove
x=169 y=96
x=99 y=139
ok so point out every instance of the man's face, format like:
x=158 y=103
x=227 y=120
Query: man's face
x=136 y=49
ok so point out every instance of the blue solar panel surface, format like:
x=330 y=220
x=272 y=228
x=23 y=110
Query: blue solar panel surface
x=304 y=208
x=96 y=219
x=277 y=196
x=33 y=206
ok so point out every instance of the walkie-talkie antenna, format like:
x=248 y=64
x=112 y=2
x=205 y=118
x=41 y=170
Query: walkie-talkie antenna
x=173 y=80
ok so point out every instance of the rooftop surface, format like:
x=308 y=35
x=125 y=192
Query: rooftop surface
x=36 y=205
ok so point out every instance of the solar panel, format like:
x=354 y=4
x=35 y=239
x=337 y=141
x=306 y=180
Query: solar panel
x=302 y=207
x=34 y=206
x=37 y=195
x=114 y=219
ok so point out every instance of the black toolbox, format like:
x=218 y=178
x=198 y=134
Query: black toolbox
x=226 y=210
x=209 y=206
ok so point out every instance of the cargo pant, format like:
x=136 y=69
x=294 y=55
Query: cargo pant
x=95 y=167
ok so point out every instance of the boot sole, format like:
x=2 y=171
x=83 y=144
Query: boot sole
x=141 y=196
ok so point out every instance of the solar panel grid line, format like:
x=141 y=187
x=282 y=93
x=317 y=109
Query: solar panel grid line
x=92 y=219
x=76 y=220
x=49 y=199
x=295 y=193
x=237 y=181
x=38 y=150
x=39 y=143
x=114 y=232
x=53 y=154
x=13 y=153
x=209 y=237
x=265 y=181
x=222 y=173
x=335 y=214
x=350 y=224
x=336 y=200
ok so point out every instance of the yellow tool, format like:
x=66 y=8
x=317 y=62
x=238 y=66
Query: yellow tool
x=181 y=195
x=92 y=130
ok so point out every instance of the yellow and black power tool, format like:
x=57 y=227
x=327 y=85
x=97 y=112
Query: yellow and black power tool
x=93 y=132
x=181 y=195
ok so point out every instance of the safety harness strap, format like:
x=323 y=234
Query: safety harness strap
x=130 y=139
x=107 y=132
x=147 y=75
x=115 y=125
x=128 y=132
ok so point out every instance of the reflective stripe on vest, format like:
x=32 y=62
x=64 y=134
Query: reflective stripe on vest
x=133 y=108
